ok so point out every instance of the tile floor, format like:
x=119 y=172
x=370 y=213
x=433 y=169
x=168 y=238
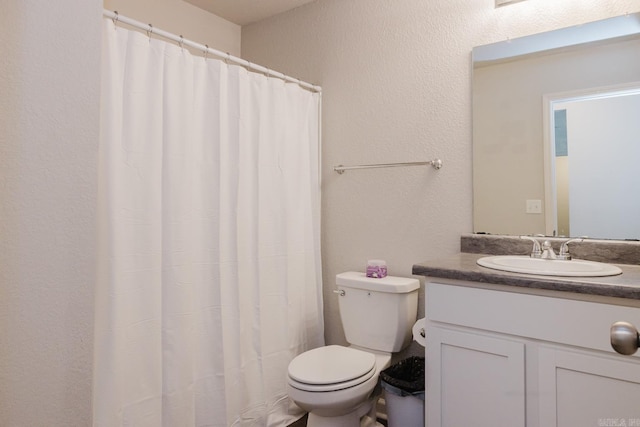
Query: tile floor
x=302 y=422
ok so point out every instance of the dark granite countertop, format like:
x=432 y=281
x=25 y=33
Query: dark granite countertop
x=463 y=267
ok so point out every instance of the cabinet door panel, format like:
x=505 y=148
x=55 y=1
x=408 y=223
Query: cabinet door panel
x=580 y=389
x=474 y=380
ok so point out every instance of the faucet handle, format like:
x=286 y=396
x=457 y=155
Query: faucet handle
x=564 y=249
x=536 y=252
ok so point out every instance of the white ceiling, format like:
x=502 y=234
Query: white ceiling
x=244 y=12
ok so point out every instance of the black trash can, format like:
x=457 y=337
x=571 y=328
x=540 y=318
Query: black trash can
x=403 y=385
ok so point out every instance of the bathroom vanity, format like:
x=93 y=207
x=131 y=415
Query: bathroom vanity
x=510 y=349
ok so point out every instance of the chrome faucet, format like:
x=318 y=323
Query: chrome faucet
x=536 y=252
x=564 y=249
x=545 y=251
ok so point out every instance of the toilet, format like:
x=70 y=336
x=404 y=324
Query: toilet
x=335 y=384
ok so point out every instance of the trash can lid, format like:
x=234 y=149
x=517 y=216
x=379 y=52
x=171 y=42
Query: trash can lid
x=331 y=364
x=406 y=375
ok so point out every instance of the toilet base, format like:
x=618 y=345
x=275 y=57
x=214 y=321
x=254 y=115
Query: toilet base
x=349 y=420
x=363 y=416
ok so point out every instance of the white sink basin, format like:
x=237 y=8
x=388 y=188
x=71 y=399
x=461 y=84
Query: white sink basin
x=549 y=267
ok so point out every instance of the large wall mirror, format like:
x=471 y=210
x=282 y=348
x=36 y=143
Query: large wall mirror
x=556 y=132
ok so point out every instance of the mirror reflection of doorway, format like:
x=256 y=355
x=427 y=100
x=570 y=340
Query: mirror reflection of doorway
x=561 y=172
x=596 y=152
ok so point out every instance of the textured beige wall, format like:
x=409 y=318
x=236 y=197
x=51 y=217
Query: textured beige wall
x=396 y=81
x=49 y=124
x=182 y=18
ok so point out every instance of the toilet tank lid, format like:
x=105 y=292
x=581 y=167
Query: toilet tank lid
x=390 y=284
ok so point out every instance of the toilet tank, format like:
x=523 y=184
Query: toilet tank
x=377 y=313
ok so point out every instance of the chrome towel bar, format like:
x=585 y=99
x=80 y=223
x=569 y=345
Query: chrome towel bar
x=436 y=163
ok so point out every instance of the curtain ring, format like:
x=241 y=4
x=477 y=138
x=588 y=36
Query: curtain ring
x=181 y=42
x=227 y=58
x=206 y=51
x=150 y=31
x=115 y=18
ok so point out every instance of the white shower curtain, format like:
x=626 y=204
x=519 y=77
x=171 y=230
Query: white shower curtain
x=209 y=263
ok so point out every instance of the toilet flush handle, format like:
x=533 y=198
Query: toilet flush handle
x=339 y=292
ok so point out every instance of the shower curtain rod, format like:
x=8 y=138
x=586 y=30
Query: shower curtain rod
x=150 y=29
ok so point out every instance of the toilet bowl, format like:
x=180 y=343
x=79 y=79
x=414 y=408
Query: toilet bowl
x=337 y=384
x=333 y=381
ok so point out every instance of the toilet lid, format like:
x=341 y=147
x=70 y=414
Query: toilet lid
x=330 y=365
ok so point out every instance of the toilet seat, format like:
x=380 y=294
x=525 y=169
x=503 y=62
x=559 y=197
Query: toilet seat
x=331 y=368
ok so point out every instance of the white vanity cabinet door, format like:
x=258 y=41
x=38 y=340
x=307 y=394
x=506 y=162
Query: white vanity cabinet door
x=587 y=389
x=477 y=380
